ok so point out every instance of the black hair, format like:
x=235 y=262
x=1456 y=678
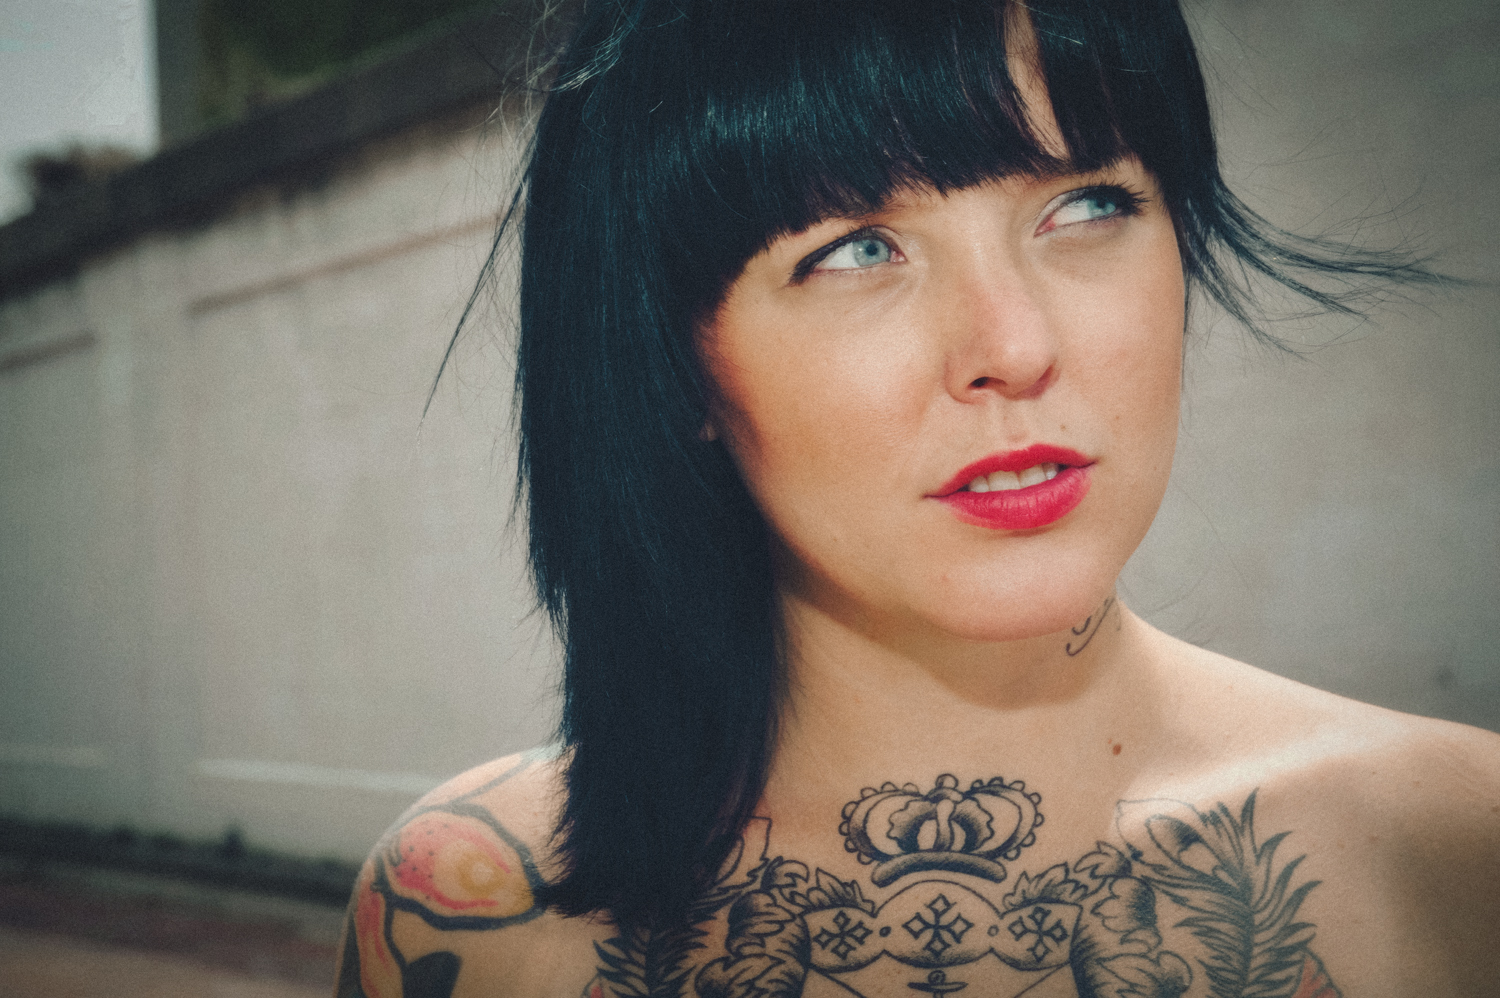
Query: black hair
x=678 y=138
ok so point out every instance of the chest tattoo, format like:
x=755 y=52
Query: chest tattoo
x=948 y=916
x=1182 y=902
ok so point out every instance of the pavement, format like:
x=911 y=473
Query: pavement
x=69 y=931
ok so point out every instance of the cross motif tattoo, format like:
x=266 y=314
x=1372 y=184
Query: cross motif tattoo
x=944 y=934
x=846 y=940
x=1044 y=925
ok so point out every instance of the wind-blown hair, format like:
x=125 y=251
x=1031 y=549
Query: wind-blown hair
x=679 y=138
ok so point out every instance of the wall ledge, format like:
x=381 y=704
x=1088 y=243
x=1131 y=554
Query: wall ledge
x=481 y=60
x=228 y=862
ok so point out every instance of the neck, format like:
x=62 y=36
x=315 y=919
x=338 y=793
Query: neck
x=861 y=710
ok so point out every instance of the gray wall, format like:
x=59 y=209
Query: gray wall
x=1335 y=518
x=241 y=581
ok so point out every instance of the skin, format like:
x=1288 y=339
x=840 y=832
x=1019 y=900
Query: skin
x=850 y=397
x=996 y=328
x=921 y=645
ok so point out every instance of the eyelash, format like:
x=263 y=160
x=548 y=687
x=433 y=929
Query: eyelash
x=1127 y=203
x=810 y=263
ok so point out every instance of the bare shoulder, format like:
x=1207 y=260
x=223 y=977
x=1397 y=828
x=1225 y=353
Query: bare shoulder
x=446 y=902
x=1408 y=811
x=1230 y=710
x=1397 y=816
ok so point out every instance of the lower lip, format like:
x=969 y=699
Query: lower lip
x=1022 y=509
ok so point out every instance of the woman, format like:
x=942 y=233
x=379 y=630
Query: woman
x=849 y=366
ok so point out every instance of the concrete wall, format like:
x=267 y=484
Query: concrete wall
x=1337 y=518
x=242 y=582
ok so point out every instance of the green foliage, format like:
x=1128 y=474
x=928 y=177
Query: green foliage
x=295 y=37
x=255 y=52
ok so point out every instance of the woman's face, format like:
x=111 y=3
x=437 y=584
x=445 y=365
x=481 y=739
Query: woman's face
x=875 y=374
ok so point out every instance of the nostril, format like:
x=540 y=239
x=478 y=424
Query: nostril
x=979 y=382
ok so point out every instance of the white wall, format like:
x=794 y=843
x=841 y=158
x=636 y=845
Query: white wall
x=241 y=582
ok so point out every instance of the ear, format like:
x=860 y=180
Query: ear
x=708 y=433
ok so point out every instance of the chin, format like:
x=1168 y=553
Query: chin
x=1016 y=609
x=991 y=624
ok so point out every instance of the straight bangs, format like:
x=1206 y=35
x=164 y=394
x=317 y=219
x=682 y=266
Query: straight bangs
x=760 y=119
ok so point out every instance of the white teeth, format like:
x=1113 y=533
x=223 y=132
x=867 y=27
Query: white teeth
x=1004 y=481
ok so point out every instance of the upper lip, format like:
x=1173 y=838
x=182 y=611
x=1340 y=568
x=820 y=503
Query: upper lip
x=1015 y=460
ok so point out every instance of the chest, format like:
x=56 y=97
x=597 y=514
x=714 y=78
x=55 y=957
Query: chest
x=942 y=900
x=971 y=889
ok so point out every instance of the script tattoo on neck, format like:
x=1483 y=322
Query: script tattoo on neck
x=939 y=920
x=1084 y=633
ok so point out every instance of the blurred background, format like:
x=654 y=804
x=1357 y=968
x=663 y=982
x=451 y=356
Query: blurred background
x=253 y=603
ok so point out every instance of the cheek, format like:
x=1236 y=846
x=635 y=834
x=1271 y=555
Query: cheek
x=1140 y=373
x=1163 y=313
x=1138 y=323
x=1141 y=366
x=804 y=423
x=763 y=403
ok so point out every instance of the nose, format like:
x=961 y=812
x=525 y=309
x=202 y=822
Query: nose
x=1003 y=340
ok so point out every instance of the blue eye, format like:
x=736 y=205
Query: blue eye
x=1086 y=209
x=865 y=251
x=1099 y=206
x=1095 y=204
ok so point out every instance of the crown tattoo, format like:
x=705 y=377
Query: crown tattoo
x=902 y=830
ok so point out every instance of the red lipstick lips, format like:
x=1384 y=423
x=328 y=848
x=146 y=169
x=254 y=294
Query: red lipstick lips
x=1019 y=509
